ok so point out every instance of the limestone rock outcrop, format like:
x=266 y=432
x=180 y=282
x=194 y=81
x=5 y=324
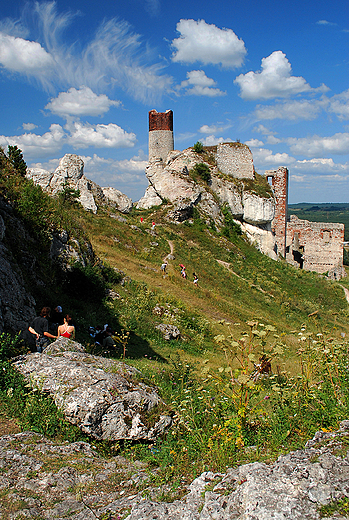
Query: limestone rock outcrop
x=101 y=396
x=42 y=479
x=118 y=199
x=70 y=171
x=231 y=183
x=17 y=305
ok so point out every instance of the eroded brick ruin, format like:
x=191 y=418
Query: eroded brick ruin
x=314 y=246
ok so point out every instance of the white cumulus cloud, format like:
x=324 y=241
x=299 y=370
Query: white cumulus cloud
x=254 y=143
x=27 y=57
x=198 y=84
x=290 y=110
x=339 y=105
x=33 y=144
x=274 y=80
x=80 y=102
x=213 y=129
x=212 y=140
x=28 y=126
x=83 y=135
x=207 y=44
x=317 y=146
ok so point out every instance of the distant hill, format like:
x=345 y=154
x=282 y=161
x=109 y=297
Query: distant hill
x=325 y=212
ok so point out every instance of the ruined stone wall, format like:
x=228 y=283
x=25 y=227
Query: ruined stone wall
x=235 y=159
x=315 y=246
x=280 y=187
x=160 y=135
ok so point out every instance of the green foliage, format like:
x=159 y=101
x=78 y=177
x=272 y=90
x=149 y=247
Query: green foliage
x=202 y=171
x=259 y=186
x=10 y=346
x=231 y=229
x=341 y=507
x=68 y=195
x=198 y=147
x=34 y=206
x=89 y=281
x=16 y=157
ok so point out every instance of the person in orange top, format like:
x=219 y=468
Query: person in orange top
x=67 y=330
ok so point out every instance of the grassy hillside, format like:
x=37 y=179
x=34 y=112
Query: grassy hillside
x=262 y=357
x=323 y=213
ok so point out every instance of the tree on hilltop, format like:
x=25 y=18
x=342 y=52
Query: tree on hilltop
x=16 y=158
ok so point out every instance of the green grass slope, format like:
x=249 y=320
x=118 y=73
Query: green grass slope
x=260 y=365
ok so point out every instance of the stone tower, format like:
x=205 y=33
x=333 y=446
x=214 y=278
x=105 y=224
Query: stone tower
x=160 y=135
x=279 y=182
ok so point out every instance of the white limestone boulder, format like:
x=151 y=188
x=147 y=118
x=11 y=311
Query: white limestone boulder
x=103 y=397
x=149 y=199
x=118 y=199
x=228 y=193
x=261 y=237
x=257 y=210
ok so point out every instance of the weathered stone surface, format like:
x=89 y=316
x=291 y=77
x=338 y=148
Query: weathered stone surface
x=118 y=199
x=262 y=237
x=228 y=193
x=182 y=210
x=169 y=331
x=71 y=170
x=235 y=159
x=257 y=210
x=149 y=199
x=99 y=395
x=59 y=480
x=171 y=185
x=17 y=305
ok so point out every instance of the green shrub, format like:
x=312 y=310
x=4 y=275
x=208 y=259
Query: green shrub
x=16 y=157
x=198 y=147
x=202 y=171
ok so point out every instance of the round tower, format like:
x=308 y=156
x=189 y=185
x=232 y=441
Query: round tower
x=160 y=135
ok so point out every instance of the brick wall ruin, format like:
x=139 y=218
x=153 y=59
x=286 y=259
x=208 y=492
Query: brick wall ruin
x=279 y=182
x=160 y=135
x=314 y=246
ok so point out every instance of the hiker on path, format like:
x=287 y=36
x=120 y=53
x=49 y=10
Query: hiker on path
x=153 y=226
x=67 y=330
x=39 y=327
x=163 y=267
x=196 y=280
x=183 y=271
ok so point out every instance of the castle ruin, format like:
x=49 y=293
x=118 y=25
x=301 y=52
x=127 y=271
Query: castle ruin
x=313 y=246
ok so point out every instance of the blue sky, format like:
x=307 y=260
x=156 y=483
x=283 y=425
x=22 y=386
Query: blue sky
x=81 y=77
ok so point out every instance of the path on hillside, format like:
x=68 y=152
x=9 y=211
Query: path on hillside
x=170 y=243
x=227 y=266
x=346 y=292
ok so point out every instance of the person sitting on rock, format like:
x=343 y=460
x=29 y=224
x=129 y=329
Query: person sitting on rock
x=67 y=330
x=39 y=326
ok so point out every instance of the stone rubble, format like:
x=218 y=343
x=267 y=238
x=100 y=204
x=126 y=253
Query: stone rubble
x=41 y=479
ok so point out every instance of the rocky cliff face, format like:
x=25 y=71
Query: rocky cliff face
x=20 y=271
x=71 y=171
x=233 y=183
